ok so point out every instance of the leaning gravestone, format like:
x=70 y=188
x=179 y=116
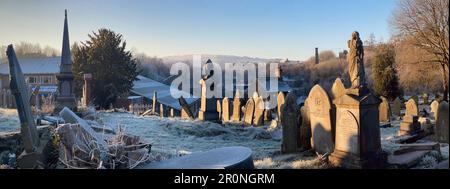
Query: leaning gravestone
x=384 y=110
x=411 y=107
x=249 y=111
x=32 y=156
x=289 y=122
x=442 y=123
x=280 y=102
x=304 y=140
x=259 y=112
x=225 y=110
x=185 y=111
x=319 y=107
x=397 y=105
x=338 y=89
x=434 y=107
x=237 y=107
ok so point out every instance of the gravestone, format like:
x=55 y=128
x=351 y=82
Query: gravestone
x=185 y=110
x=289 y=122
x=442 y=123
x=155 y=102
x=322 y=130
x=208 y=105
x=425 y=98
x=225 y=110
x=237 y=108
x=338 y=89
x=304 y=139
x=280 y=102
x=416 y=99
x=411 y=108
x=33 y=154
x=410 y=125
x=172 y=113
x=162 y=111
x=87 y=89
x=219 y=109
x=249 y=111
x=259 y=112
x=255 y=95
x=384 y=110
x=434 y=107
x=66 y=96
x=396 y=107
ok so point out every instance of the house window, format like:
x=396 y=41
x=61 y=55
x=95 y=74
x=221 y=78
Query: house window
x=46 y=79
x=32 y=80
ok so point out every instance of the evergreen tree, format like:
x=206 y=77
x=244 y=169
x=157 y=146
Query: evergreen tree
x=384 y=73
x=113 y=68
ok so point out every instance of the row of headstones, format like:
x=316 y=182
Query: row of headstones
x=410 y=123
x=254 y=111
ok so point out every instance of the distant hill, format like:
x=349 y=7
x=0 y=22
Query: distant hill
x=220 y=59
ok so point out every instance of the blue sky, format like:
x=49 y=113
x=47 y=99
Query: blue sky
x=259 y=28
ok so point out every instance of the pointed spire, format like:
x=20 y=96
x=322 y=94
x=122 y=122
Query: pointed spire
x=65 y=53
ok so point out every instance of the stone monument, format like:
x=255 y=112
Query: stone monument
x=385 y=110
x=358 y=142
x=225 y=110
x=87 y=90
x=320 y=115
x=396 y=107
x=442 y=124
x=236 y=108
x=289 y=122
x=208 y=106
x=411 y=107
x=66 y=96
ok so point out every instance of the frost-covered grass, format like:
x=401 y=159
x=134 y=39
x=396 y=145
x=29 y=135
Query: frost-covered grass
x=9 y=120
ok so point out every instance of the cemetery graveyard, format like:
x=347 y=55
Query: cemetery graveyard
x=343 y=126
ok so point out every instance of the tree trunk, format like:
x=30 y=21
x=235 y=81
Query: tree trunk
x=445 y=82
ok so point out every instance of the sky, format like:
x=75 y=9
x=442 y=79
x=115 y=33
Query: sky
x=256 y=28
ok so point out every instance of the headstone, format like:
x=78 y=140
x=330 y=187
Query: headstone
x=338 y=89
x=87 y=89
x=304 y=139
x=66 y=96
x=237 y=108
x=249 y=111
x=322 y=130
x=162 y=112
x=384 y=110
x=289 y=122
x=409 y=125
x=259 y=112
x=416 y=99
x=219 y=109
x=155 y=102
x=280 y=102
x=172 y=113
x=397 y=105
x=434 y=107
x=208 y=106
x=255 y=95
x=442 y=123
x=185 y=110
x=225 y=110
x=425 y=98
x=411 y=107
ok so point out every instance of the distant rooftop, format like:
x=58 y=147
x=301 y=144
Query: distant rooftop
x=35 y=66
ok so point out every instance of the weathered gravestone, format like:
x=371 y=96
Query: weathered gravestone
x=322 y=130
x=410 y=125
x=289 y=122
x=384 y=110
x=280 y=102
x=237 y=107
x=155 y=102
x=185 y=110
x=411 y=108
x=225 y=110
x=425 y=98
x=259 y=112
x=442 y=123
x=219 y=109
x=416 y=99
x=396 y=107
x=338 y=89
x=434 y=107
x=249 y=111
x=304 y=139
x=33 y=154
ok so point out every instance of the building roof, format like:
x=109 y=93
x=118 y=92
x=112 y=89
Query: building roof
x=145 y=87
x=35 y=66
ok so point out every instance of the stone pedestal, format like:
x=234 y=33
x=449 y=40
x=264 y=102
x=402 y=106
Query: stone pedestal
x=358 y=142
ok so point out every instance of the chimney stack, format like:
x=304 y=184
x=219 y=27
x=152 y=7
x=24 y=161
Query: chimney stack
x=317 y=55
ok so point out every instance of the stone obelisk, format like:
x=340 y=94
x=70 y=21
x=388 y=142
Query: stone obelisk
x=66 y=96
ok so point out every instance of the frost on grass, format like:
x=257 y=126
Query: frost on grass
x=9 y=120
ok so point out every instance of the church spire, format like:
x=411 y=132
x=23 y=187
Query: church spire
x=65 y=53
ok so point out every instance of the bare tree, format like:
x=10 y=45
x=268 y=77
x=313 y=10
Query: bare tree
x=427 y=22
